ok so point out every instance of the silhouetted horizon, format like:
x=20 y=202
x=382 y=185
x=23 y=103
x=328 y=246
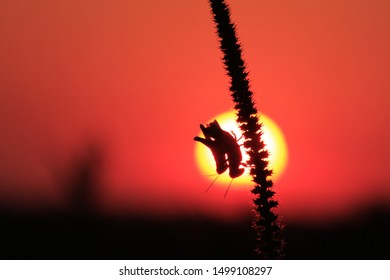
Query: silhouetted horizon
x=88 y=235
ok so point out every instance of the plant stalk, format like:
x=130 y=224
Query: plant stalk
x=268 y=228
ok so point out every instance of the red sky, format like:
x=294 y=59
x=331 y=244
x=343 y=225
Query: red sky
x=138 y=77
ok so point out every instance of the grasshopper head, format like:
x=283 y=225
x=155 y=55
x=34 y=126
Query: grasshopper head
x=234 y=173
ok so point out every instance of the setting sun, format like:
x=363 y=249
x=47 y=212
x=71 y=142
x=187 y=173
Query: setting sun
x=272 y=136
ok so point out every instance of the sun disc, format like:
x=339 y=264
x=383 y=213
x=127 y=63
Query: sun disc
x=273 y=139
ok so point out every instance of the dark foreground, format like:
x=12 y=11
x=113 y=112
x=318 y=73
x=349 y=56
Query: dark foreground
x=86 y=236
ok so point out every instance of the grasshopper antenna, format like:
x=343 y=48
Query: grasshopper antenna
x=212 y=182
x=228 y=188
x=235 y=137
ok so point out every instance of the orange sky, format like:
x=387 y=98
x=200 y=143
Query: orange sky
x=138 y=77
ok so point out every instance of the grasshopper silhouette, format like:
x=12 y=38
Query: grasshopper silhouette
x=224 y=147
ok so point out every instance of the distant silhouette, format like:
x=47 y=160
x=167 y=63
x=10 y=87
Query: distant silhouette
x=83 y=180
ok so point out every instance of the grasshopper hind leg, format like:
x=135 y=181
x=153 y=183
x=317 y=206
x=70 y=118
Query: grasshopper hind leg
x=228 y=188
x=212 y=182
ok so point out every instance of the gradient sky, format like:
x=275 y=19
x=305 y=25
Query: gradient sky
x=138 y=77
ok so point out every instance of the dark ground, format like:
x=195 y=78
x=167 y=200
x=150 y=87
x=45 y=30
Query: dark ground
x=80 y=233
x=86 y=236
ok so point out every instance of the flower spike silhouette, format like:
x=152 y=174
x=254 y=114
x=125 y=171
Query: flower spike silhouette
x=267 y=225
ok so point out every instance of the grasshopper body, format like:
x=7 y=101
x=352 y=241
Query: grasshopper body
x=224 y=147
